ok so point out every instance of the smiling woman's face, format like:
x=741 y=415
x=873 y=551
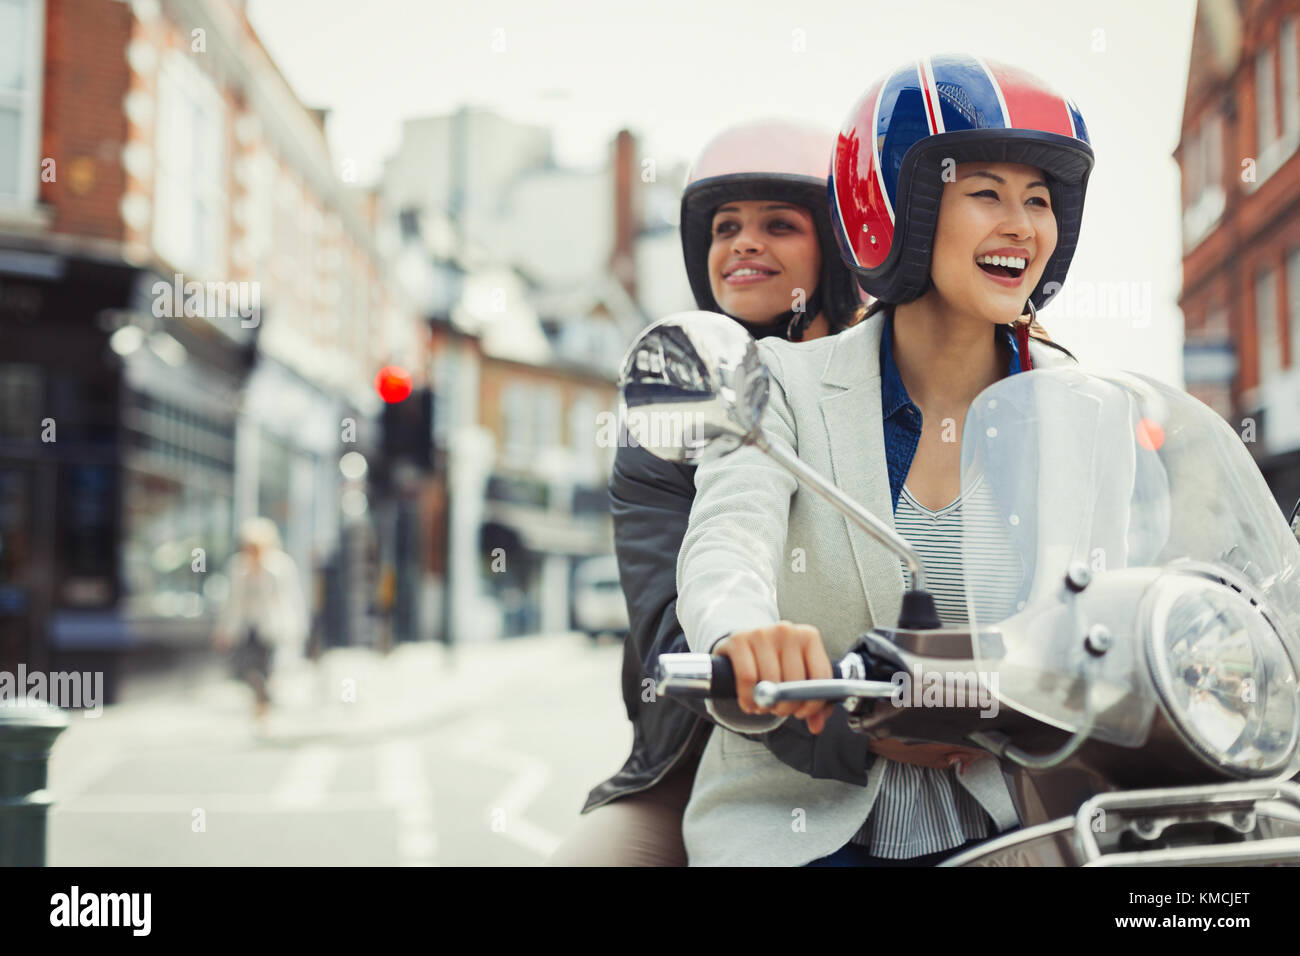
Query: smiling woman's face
x=992 y=213
x=761 y=252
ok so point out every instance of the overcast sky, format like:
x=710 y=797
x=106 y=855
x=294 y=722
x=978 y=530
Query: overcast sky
x=676 y=71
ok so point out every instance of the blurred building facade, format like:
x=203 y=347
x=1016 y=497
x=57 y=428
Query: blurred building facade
x=531 y=276
x=1241 y=227
x=194 y=303
x=521 y=497
x=195 y=299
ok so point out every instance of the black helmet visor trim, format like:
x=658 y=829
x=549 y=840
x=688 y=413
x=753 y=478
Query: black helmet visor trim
x=1068 y=162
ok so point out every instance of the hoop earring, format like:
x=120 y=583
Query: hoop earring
x=1033 y=313
x=798 y=323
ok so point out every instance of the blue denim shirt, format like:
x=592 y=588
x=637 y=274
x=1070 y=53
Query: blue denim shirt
x=902 y=419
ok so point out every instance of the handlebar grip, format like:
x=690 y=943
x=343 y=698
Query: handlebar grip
x=712 y=678
x=723 y=685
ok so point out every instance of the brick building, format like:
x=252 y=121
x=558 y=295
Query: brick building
x=196 y=300
x=1241 y=226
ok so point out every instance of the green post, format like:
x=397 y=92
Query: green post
x=28 y=729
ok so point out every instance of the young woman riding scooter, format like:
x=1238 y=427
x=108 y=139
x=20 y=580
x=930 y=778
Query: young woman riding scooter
x=957 y=189
x=759 y=247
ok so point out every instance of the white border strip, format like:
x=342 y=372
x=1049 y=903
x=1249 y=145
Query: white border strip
x=997 y=88
x=927 y=78
x=875 y=150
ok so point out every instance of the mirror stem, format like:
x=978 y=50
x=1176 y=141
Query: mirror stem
x=859 y=515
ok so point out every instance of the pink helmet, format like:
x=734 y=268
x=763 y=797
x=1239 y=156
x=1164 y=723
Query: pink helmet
x=770 y=159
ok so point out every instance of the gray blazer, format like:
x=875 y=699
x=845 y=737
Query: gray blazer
x=760 y=550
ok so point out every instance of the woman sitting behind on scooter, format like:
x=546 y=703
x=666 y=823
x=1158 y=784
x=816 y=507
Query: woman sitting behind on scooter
x=759 y=247
x=957 y=190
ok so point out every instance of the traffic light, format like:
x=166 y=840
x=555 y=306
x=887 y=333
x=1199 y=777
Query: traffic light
x=393 y=383
x=408 y=430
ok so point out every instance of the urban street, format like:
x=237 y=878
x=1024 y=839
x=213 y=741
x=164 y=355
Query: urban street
x=482 y=762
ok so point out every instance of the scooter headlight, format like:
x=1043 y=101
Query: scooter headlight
x=1224 y=675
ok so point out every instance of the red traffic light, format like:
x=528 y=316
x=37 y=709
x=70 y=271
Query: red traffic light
x=393 y=383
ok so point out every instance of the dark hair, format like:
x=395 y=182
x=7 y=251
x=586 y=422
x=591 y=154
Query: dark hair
x=839 y=321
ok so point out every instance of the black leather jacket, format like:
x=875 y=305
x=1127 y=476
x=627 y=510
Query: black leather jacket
x=650 y=500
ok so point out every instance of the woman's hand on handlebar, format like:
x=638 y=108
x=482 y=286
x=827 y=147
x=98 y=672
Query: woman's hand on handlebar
x=779 y=652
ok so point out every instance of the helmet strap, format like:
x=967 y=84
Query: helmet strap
x=759 y=330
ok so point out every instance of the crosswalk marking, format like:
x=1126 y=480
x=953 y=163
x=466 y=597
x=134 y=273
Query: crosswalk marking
x=531 y=775
x=305 y=780
x=184 y=803
x=402 y=785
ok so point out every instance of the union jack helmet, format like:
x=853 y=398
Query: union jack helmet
x=887 y=169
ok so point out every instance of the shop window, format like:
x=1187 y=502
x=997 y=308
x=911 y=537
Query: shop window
x=178 y=496
x=274 y=491
x=85 y=535
x=21 y=400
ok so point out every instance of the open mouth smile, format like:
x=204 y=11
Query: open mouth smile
x=1004 y=270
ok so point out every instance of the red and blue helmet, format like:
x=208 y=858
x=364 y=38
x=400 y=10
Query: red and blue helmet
x=887 y=170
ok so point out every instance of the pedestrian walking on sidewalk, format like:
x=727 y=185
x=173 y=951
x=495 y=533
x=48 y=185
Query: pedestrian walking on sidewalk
x=265 y=614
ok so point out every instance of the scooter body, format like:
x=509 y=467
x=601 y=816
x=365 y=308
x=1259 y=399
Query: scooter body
x=1131 y=648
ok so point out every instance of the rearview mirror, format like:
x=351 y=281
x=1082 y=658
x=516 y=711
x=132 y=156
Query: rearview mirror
x=693 y=387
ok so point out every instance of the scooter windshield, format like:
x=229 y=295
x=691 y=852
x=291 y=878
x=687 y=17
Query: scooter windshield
x=1114 y=471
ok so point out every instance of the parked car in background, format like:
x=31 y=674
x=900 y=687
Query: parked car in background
x=598 y=605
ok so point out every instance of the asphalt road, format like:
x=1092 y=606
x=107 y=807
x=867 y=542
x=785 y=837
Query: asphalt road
x=486 y=763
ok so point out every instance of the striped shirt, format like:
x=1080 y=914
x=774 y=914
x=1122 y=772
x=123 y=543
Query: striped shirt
x=922 y=810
